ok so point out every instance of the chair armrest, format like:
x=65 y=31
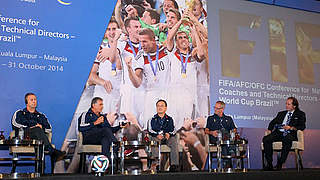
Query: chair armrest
x=267 y=132
x=49 y=135
x=80 y=139
x=206 y=141
x=178 y=137
x=300 y=136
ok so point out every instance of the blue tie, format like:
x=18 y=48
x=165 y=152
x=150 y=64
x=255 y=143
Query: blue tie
x=287 y=123
x=289 y=118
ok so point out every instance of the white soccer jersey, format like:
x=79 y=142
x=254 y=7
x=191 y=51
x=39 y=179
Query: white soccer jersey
x=105 y=72
x=125 y=50
x=111 y=101
x=182 y=92
x=203 y=90
x=190 y=81
x=132 y=98
x=156 y=85
x=202 y=75
x=161 y=78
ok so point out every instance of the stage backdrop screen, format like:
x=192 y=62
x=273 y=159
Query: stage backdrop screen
x=259 y=56
x=45 y=48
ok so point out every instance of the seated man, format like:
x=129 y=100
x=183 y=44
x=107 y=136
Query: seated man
x=284 y=128
x=96 y=128
x=161 y=129
x=35 y=124
x=219 y=122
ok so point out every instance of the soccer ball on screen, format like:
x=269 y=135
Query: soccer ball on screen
x=99 y=164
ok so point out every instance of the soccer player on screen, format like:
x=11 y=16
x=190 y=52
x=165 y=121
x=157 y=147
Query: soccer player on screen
x=151 y=65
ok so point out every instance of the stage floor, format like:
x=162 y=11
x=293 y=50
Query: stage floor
x=306 y=174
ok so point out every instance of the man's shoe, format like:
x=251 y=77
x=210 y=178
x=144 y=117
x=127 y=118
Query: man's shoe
x=173 y=168
x=227 y=163
x=268 y=168
x=58 y=155
x=155 y=167
x=164 y=141
x=278 y=167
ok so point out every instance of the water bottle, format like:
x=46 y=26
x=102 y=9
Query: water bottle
x=140 y=137
x=232 y=134
x=219 y=136
x=21 y=133
x=120 y=135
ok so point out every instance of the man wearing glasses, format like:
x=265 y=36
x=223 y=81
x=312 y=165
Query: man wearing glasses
x=161 y=128
x=219 y=122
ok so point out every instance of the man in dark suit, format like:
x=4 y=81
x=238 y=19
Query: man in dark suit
x=284 y=128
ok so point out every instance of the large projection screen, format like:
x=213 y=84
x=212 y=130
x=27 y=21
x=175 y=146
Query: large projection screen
x=259 y=56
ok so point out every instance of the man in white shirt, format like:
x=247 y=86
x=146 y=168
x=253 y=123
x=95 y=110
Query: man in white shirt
x=183 y=84
x=152 y=65
x=131 y=97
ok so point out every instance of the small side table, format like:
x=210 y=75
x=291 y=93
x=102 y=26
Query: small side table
x=136 y=145
x=240 y=152
x=38 y=157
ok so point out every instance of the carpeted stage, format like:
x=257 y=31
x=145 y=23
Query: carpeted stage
x=306 y=174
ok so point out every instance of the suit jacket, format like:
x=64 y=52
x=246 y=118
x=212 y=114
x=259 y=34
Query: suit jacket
x=298 y=120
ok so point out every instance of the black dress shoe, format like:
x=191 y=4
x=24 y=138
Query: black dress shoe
x=173 y=168
x=278 y=167
x=227 y=163
x=164 y=141
x=268 y=168
x=58 y=155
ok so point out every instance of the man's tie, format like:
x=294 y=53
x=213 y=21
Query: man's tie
x=287 y=123
x=289 y=118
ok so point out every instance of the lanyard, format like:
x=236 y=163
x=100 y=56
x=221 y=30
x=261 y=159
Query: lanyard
x=184 y=65
x=154 y=68
x=132 y=48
